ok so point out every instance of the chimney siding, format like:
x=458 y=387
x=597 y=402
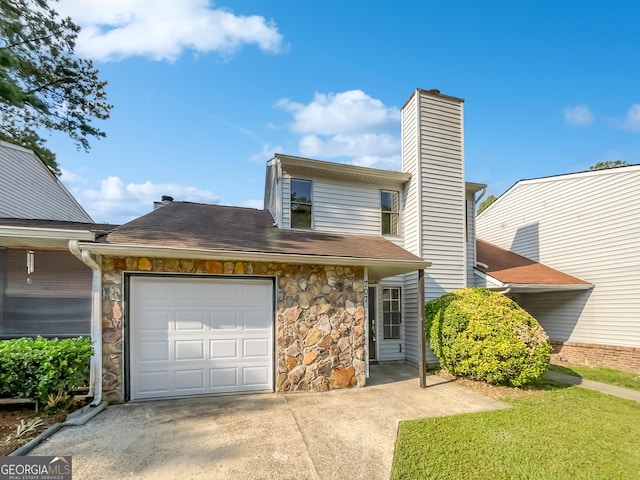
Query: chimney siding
x=433 y=152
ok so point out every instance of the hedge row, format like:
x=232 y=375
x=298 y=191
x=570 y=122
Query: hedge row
x=36 y=368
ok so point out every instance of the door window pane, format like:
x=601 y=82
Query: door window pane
x=391 y=313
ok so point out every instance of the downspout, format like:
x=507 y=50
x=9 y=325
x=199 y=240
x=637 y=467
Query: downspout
x=482 y=192
x=95 y=379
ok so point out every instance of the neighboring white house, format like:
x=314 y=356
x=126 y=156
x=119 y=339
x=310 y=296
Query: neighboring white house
x=587 y=225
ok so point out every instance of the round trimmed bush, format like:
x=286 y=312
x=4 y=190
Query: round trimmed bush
x=485 y=335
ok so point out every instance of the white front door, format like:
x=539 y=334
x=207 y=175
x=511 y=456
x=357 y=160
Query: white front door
x=199 y=335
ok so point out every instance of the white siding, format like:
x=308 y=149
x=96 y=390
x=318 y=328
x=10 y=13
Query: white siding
x=471 y=240
x=586 y=225
x=411 y=223
x=442 y=193
x=412 y=316
x=340 y=206
x=434 y=221
x=272 y=184
x=28 y=189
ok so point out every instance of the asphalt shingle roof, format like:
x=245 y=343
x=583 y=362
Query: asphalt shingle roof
x=214 y=227
x=509 y=267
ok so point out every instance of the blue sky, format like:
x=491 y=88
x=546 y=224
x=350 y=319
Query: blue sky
x=204 y=94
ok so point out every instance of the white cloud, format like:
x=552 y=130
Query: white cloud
x=164 y=29
x=253 y=203
x=578 y=116
x=70 y=178
x=346 y=112
x=350 y=126
x=631 y=122
x=117 y=202
x=266 y=153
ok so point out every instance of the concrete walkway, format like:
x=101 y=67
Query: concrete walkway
x=591 y=385
x=341 y=434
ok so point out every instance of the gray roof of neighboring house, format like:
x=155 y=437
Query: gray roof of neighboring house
x=30 y=190
x=185 y=225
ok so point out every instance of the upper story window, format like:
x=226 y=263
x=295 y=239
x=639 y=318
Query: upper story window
x=301 y=203
x=390 y=212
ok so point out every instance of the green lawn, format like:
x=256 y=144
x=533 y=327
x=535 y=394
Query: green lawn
x=604 y=375
x=563 y=433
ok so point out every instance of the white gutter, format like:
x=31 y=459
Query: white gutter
x=47 y=233
x=175 y=252
x=502 y=287
x=482 y=192
x=95 y=380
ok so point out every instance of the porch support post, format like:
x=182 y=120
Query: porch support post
x=422 y=345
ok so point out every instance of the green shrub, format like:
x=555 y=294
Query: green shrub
x=484 y=335
x=37 y=368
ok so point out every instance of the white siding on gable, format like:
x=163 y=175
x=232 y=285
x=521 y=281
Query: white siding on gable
x=28 y=189
x=586 y=225
x=272 y=184
x=285 y=181
x=346 y=207
x=340 y=206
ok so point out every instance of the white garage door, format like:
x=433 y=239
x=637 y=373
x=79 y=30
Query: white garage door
x=192 y=336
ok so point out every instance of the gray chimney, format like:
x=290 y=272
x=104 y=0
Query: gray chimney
x=165 y=200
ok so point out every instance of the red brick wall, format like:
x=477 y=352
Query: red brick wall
x=608 y=356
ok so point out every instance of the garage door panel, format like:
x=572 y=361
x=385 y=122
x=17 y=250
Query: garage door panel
x=190 y=293
x=224 y=320
x=223 y=349
x=189 y=350
x=153 y=383
x=190 y=380
x=151 y=351
x=155 y=293
x=215 y=336
x=256 y=320
x=223 y=378
x=255 y=376
x=189 y=320
x=255 y=348
x=224 y=294
x=153 y=320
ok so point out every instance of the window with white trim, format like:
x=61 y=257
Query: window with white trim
x=390 y=212
x=391 y=313
x=301 y=203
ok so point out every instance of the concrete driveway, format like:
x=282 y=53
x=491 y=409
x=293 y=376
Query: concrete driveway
x=340 y=434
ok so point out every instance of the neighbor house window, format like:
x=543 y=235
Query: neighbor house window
x=390 y=212
x=391 y=313
x=301 y=203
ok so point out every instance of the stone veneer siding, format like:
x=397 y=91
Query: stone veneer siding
x=320 y=334
x=607 y=356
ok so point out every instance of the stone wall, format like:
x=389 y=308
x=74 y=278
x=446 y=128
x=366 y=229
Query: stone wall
x=607 y=356
x=320 y=334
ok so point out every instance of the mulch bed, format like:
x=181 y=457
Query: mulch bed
x=12 y=413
